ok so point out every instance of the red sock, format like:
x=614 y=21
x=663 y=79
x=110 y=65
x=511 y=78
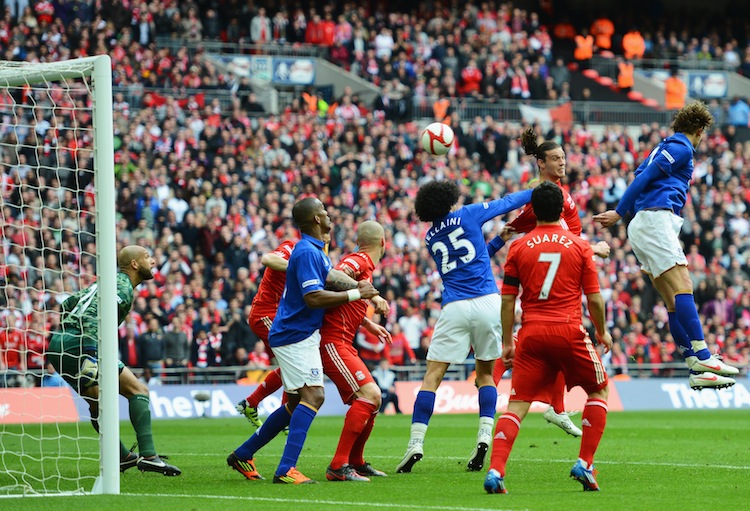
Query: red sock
x=271 y=384
x=558 y=393
x=593 y=422
x=506 y=431
x=357 y=455
x=355 y=423
x=498 y=371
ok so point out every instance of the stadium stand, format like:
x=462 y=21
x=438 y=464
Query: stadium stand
x=207 y=179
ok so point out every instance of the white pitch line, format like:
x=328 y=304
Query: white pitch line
x=316 y=501
x=514 y=460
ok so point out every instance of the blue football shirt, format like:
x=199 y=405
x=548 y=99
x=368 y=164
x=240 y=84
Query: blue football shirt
x=674 y=158
x=457 y=245
x=307 y=272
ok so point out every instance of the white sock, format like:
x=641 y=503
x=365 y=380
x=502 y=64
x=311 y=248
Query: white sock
x=698 y=345
x=485 y=427
x=418 y=431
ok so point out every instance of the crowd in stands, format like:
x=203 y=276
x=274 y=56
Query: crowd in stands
x=209 y=189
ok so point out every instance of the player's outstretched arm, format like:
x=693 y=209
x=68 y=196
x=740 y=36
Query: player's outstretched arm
x=321 y=299
x=337 y=280
x=499 y=241
x=597 y=311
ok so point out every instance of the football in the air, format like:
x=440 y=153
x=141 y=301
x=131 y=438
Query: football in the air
x=437 y=138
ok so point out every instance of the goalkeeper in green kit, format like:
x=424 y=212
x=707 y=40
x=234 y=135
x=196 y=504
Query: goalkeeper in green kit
x=73 y=351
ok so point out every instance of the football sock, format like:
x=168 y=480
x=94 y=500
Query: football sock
x=487 y=401
x=140 y=417
x=687 y=315
x=423 y=407
x=558 y=394
x=593 y=422
x=124 y=451
x=506 y=431
x=498 y=371
x=679 y=336
x=274 y=424
x=354 y=423
x=270 y=384
x=302 y=418
x=417 y=432
x=356 y=455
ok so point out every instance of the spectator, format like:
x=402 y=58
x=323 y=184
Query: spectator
x=176 y=344
x=386 y=380
x=399 y=353
x=151 y=346
x=148 y=378
x=739 y=112
x=260 y=28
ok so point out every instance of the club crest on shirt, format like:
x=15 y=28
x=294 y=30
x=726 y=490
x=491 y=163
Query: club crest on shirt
x=315 y=372
x=359 y=375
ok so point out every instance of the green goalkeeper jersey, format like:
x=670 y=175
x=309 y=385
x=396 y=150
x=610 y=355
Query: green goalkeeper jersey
x=80 y=312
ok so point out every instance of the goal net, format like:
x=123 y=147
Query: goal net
x=57 y=205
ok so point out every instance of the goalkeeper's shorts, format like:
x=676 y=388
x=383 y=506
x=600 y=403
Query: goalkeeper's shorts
x=75 y=359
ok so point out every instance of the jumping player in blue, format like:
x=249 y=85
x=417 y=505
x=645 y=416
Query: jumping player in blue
x=471 y=304
x=656 y=198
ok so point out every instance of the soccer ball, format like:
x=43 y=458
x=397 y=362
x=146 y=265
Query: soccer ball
x=437 y=138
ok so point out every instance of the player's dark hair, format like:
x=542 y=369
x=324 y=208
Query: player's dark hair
x=530 y=147
x=303 y=211
x=435 y=200
x=692 y=118
x=547 y=201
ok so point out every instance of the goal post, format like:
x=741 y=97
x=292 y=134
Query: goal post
x=60 y=117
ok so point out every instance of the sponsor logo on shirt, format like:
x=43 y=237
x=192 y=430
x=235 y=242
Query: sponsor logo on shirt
x=667 y=155
x=311 y=282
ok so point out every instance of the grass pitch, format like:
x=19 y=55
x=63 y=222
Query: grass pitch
x=654 y=460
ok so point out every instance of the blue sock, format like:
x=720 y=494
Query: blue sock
x=679 y=335
x=274 y=424
x=487 y=401
x=687 y=315
x=302 y=418
x=423 y=407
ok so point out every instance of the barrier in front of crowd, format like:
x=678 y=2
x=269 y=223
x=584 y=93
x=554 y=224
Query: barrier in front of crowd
x=36 y=405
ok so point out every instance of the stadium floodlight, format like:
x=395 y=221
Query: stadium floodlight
x=57 y=211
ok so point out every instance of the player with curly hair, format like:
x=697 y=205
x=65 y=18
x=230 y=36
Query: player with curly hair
x=656 y=198
x=471 y=304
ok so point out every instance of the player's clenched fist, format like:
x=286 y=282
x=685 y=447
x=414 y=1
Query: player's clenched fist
x=366 y=290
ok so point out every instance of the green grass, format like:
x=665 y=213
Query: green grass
x=655 y=460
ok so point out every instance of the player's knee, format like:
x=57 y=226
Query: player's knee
x=372 y=394
x=600 y=394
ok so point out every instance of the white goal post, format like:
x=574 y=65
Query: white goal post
x=61 y=111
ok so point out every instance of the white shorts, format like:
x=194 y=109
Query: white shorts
x=300 y=363
x=654 y=238
x=465 y=324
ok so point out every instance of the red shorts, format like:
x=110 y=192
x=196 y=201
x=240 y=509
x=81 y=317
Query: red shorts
x=545 y=349
x=261 y=325
x=342 y=365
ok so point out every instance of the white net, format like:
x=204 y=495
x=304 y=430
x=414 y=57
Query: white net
x=49 y=250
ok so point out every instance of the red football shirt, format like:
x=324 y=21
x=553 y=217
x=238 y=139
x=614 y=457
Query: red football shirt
x=266 y=301
x=36 y=345
x=526 y=219
x=340 y=324
x=552 y=266
x=11 y=342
